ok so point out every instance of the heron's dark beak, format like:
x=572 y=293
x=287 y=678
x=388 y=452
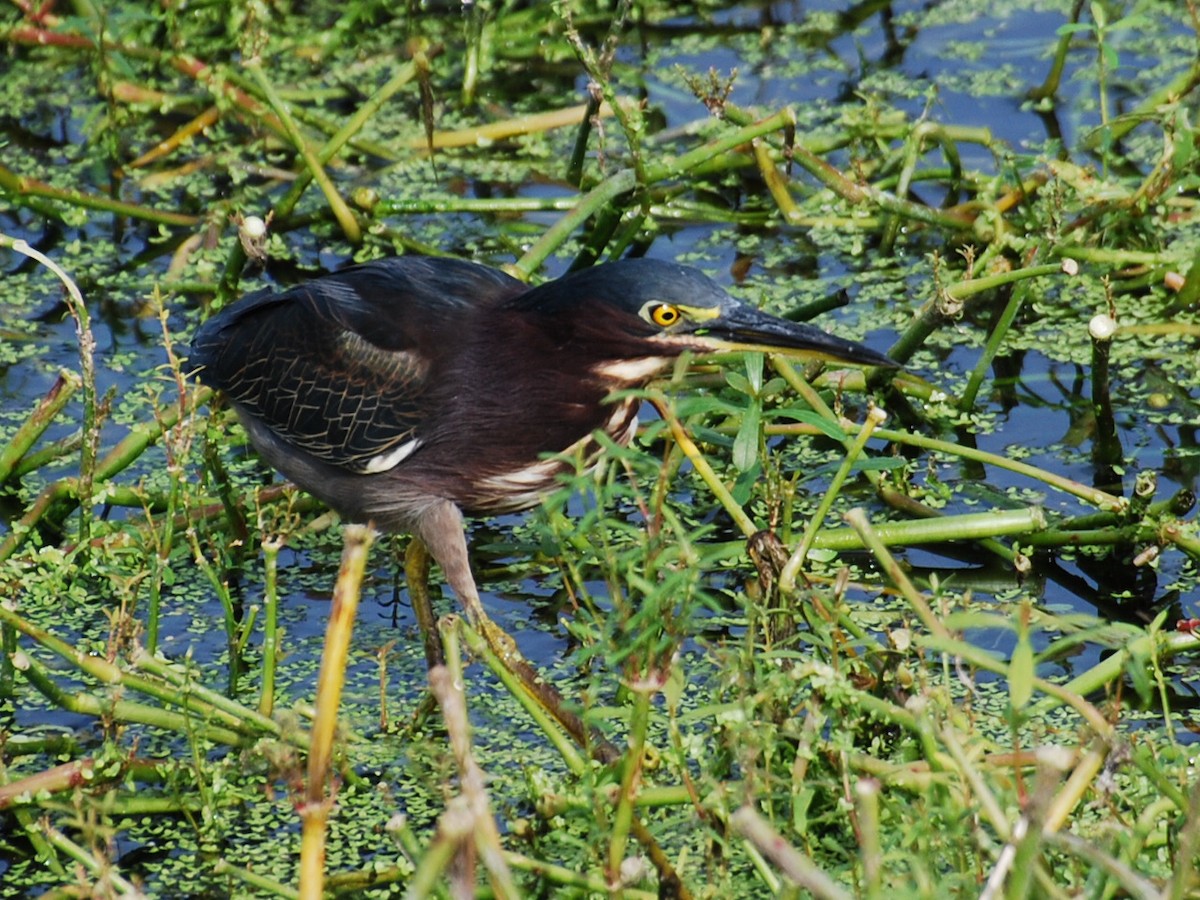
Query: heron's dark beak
x=742 y=327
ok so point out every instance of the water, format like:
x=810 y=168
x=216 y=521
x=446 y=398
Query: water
x=950 y=63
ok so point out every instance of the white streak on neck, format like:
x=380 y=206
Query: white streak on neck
x=632 y=371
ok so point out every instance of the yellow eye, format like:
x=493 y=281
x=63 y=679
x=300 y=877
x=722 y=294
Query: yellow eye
x=664 y=315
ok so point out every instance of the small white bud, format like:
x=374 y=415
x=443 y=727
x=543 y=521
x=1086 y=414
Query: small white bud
x=1102 y=327
x=254 y=227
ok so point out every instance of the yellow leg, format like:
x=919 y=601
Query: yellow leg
x=416 y=576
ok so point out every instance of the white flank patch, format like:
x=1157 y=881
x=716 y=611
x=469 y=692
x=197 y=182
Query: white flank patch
x=392 y=458
x=616 y=420
x=632 y=371
x=531 y=476
x=524 y=487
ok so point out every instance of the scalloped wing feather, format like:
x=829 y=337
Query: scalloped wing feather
x=339 y=367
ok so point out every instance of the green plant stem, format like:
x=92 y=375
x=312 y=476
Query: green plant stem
x=1184 y=84
x=304 y=115
x=61 y=496
x=702 y=467
x=631 y=776
x=991 y=809
x=318 y=804
x=1081 y=779
x=948 y=304
x=186 y=684
x=446 y=683
x=1117 y=257
x=438 y=855
x=255 y=880
x=1158 y=645
x=48 y=499
x=1093 y=537
x=776 y=183
x=50 y=453
x=1097 y=859
x=450 y=204
x=87 y=367
x=349 y=225
x=796 y=865
x=914 y=143
x=270 y=648
x=1183 y=879
x=1101 y=499
x=352 y=126
x=220 y=83
x=648 y=797
x=160 y=559
x=228 y=609
x=1049 y=87
x=870 y=847
x=38 y=421
x=574 y=173
x=39 y=786
x=205 y=704
x=549 y=726
x=116 y=885
x=598 y=198
x=129 y=711
x=863 y=195
x=787 y=577
x=561 y=875
x=966 y=527
x=680 y=165
x=870 y=536
x=995 y=339
x=24 y=191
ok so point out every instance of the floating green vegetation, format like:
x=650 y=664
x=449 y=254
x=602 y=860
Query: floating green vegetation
x=809 y=649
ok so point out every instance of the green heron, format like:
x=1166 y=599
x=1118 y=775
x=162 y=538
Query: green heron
x=407 y=391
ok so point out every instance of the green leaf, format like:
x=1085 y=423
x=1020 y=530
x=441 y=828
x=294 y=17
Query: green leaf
x=1136 y=22
x=745 y=445
x=1020 y=673
x=808 y=417
x=672 y=689
x=801 y=801
x=739 y=382
x=746 y=484
x=704 y=404
x=773 y=386
x=754 y=371
x=1183 y=141
x=1137 y=667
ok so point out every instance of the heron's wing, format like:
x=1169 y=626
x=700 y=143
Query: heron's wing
x=340 y=367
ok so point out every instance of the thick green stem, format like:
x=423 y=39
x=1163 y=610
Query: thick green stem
x=967 y=527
